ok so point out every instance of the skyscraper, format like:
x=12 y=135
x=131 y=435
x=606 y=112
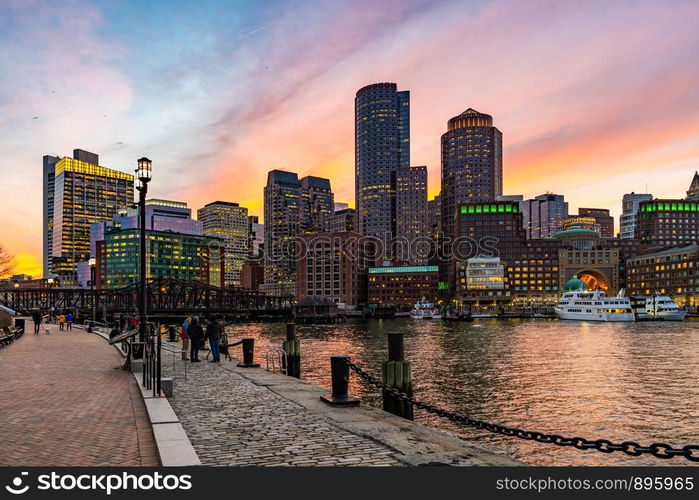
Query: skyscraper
x=471 y=164
x=229 y=222
x=628 y=221
x=78 y=193
x=693 y=192
x=317 y=204
x=602 y=217
x=543 y=215
x=411 y=212
x=256 y=236
x=382 y=145
x=282 y=199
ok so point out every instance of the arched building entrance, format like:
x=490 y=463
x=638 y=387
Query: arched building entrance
x=595 y=280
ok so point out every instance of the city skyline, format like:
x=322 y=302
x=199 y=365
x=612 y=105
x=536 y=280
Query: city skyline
x=563 y=124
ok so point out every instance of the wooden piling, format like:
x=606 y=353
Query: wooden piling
x=396 y=373
x=292 y=348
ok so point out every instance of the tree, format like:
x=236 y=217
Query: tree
x=7 y=262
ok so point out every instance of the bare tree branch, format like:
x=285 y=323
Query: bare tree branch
x=7 y=262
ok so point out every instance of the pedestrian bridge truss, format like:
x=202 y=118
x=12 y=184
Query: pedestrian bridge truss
x=165 y=296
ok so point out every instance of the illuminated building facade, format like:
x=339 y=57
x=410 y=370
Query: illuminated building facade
x=471 y=164
x=82 y=193
x=229 y=223
x=579 y=222
x=256 y=236
x=341 y=221
x=316 y=205
x=382 y=145
x=169 y=255
x=411 y=213
x=673 y=272
x=434 y=216
x=602 y=219
x=400 y=287
x=668 y=223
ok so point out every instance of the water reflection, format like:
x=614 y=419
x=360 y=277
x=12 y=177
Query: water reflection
x=616 y=381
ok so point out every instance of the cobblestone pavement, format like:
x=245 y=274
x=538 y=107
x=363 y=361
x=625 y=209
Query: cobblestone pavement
x=232 y=421
x=66 y=402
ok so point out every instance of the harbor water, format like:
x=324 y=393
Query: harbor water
x=615 y=381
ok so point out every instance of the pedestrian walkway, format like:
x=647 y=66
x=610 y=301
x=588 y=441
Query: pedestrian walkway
x=65 y=401
x=232 y=421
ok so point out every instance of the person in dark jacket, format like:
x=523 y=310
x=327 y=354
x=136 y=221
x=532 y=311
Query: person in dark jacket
x=213 y=333
x=36 y=318
x=195 y=334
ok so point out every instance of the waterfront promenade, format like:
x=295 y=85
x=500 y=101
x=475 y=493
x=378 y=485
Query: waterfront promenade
x=65 y=401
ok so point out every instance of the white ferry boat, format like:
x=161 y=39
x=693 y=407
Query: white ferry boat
x=579 y=303
x=659 y=307
x=425 y=310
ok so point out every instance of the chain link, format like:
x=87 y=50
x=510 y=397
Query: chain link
x=631 y=448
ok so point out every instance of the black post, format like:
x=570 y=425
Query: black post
x=160 y=342
x=248 y=354
x=397 y=374
x=292 y=349
x=339 y=370
x=143 y=319
x=290 y=331
x=92 y=296
x=396 y=351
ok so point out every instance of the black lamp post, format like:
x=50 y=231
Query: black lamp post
x=92 y=292
x=144 y=173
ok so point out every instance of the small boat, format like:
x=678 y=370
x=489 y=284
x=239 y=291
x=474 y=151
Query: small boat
x=425 y=310
x=659 y=308
x=585 y=305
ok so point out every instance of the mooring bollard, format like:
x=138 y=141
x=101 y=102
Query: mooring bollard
x=292 y=349
x=340 y=383
x=396 y=373
x=248 y=354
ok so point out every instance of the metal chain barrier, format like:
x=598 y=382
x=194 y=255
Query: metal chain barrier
x=631 y=448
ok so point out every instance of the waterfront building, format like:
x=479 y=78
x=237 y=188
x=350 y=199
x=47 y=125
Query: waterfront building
x=252 y=274
x=668 y=223
x=543 y=215
x=693 y=191
x=471 y=164
x=673 y=272
x=382 y=145
x=434 y=216
x=282 y=199
x=229 y=223
x=591 y=258
x=411 y=215
x=602 y=219
x=400 y=287
x=341 y=221
x=496 y=230
x=316 y=204
x=169 y=255
x=256 y=236
x=335 y=266
x=628 y=221
x=484 y=273
x=77 y=193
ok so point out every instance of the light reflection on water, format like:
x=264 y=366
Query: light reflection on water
x=616 y=381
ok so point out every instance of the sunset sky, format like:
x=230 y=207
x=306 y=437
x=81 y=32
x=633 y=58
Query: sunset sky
x=594 y=99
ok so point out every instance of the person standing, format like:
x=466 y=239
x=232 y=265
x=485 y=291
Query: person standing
x=195 y=334
x=213 y=332
x=185 y=338
x=69 y=321
x=61 y=321
x=36 y=318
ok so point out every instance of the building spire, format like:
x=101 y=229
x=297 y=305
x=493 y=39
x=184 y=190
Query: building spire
x=693 y=193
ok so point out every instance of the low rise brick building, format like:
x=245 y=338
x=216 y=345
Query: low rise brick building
x=401 y=287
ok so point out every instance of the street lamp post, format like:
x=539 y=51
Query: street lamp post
x=144 y=173
x=92 y=263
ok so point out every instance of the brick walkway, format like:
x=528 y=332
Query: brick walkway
x=232 y=421
x=64 y=401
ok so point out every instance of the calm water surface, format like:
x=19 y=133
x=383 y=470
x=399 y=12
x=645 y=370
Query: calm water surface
x=616 y=381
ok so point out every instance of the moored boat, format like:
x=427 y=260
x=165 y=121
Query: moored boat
x=425 y=310
x=580 y=304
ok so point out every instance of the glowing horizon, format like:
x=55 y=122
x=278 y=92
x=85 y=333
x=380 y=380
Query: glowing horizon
x=594 y=100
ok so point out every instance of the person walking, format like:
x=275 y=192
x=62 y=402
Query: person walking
x=213 y=333
x=36 y=318
x=69 y=321
x=185 y=338
x=61 y=321
x=195 y=334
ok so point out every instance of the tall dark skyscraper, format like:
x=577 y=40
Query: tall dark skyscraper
x=471 y=164
x=411 y=212
x=382 y=145
x=317 y=204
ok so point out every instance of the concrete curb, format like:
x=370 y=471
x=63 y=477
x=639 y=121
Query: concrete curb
x=174 y=447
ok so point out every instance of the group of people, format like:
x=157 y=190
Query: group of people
x=194 y=336
x=65 y=321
